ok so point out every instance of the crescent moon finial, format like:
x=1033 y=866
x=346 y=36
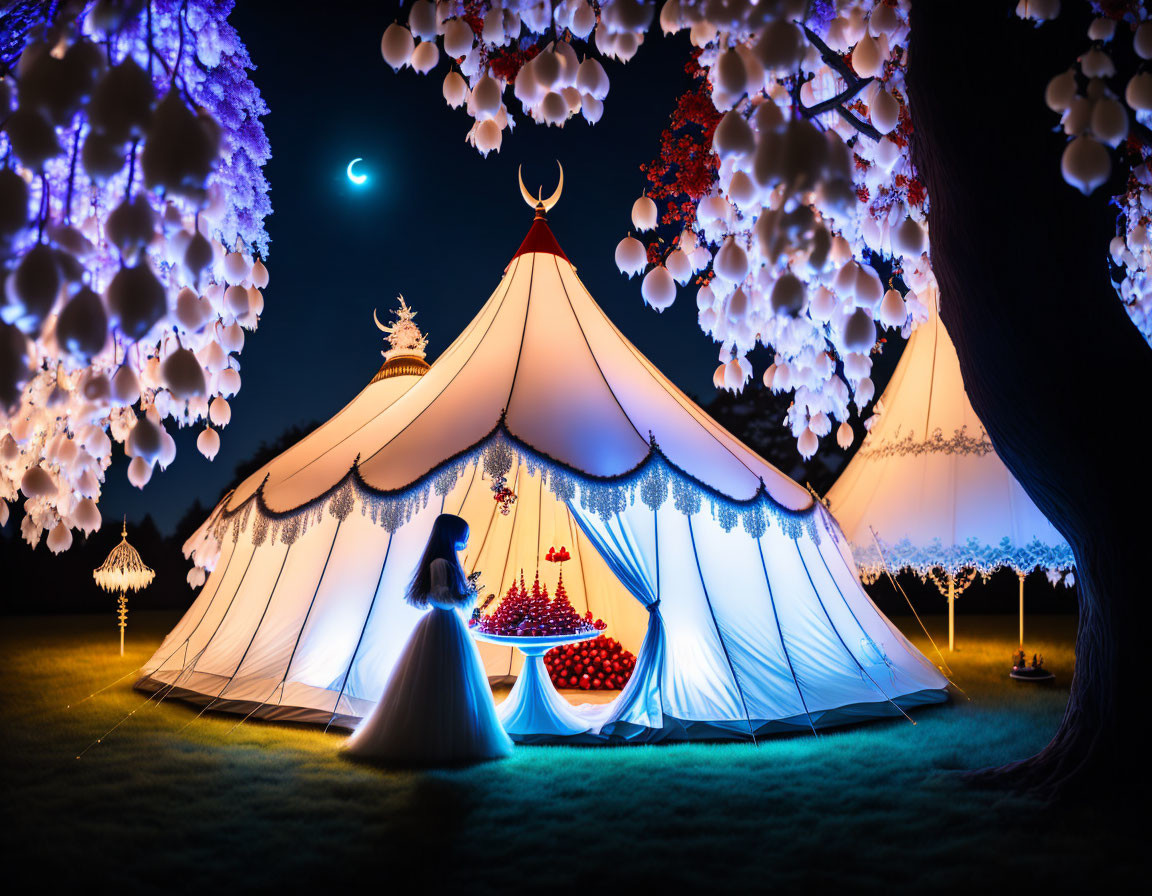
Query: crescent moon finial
x=380 y=326
x=538 y=202
x=523 y=189
x=555 y=197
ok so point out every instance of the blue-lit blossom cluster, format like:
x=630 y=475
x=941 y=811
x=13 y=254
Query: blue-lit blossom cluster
x=217 y=79
x=132 y=207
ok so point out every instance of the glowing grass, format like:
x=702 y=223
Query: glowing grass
x=268 y=805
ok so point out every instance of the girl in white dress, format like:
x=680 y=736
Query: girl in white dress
x=437 y=707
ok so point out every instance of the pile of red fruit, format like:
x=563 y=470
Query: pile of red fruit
x=597 y=665
x=530 y=614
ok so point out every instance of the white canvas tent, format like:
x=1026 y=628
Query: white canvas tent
x=737 y=591
x=926 y=491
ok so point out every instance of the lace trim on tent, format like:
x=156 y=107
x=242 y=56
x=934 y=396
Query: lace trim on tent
x=654 y=480
x=955 y=559
x=960 y=442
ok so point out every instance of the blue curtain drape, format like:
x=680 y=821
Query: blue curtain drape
x=633 y=557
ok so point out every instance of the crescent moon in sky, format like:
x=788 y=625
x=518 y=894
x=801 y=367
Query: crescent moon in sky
x=546 y=203
x=353 y=176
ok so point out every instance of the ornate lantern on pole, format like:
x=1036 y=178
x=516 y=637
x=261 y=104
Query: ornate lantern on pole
x=123 y=571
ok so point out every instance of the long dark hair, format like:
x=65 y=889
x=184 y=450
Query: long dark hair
x=449 y=535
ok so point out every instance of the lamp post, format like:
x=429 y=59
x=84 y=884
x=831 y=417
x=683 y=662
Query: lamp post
x=122 y=572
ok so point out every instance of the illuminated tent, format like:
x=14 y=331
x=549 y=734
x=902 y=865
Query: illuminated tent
x=737 y=591
x=926 y=491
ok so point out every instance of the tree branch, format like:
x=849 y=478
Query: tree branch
x=854 y=85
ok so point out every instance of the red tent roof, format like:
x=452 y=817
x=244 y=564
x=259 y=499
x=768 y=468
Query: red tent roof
x=540 y=239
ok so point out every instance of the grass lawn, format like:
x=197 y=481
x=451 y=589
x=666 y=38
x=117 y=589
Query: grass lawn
x=162 y=807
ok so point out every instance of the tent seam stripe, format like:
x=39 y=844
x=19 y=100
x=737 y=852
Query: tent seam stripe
x=491 y=518
x=592 y=354
x=216 y=631
x=231 y=678
x=259 y=624
x=780 y=633
x=637 y=354
x=832 y=624
x=523 y=333
x=574 y=534
x=508 y=555
x=720 y=634
x=539 y=519
x=203 y=616
x=656 y=610
x=468 y=490
x=363 y=630
x=311 y=604
x=385 y=410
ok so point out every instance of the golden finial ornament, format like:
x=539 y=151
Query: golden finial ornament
x=540 y=203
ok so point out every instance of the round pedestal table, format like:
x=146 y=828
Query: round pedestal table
x=533 y=708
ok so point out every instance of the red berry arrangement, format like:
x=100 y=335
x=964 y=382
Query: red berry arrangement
x=597 y=665
x=531 y=614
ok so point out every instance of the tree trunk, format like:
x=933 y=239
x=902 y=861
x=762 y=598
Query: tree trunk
x=1052 y=365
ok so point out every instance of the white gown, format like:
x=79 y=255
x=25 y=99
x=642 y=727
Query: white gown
x=437 y=707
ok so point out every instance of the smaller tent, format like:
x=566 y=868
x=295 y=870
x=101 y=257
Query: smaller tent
x=926 y=492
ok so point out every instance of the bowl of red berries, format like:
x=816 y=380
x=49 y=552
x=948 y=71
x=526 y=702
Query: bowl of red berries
x=599 y=664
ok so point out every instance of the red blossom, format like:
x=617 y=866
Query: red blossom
x=917 y=193
x=685 y=169
x=506 y=62
x=474 y=12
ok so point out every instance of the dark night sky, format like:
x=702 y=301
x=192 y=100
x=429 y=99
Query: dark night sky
x=437 y=222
